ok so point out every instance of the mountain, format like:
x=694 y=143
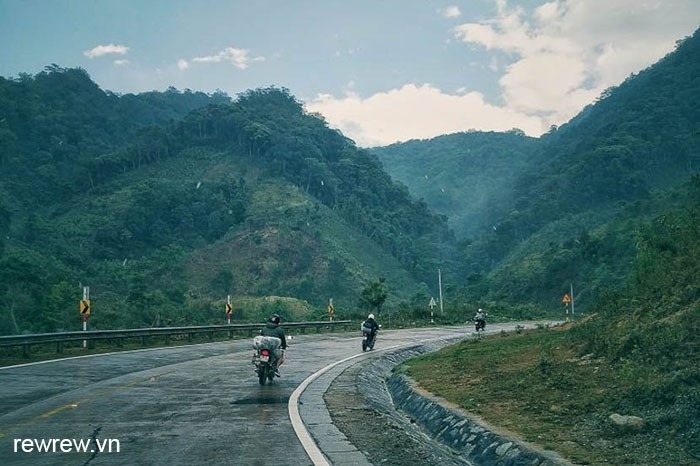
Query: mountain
x=565 y=208
x=165 y=203
x=462 y=176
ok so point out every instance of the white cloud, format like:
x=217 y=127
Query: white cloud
x=237 y=57
x=108 y=49
x=567 y=51
x=183 y=64
x=451 y=11
x=416 y=112
x=553 y=61
x=121 y=62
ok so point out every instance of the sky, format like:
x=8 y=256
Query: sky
x=380 y=71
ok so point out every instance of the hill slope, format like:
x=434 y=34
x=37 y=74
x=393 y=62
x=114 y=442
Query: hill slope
x=464 y=176
x=572 y=201
x=253 y=198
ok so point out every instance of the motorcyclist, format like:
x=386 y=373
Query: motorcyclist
x=371 y=324
x=272 y=329
x=480 y=318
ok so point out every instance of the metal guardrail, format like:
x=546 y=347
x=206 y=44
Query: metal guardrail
x=91 y=336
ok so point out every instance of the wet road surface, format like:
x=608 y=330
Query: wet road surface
x=187 y=405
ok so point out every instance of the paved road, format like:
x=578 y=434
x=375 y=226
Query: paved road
x=188 y=405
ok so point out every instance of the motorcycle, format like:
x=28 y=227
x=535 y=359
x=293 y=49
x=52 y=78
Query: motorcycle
x=480 y=325
x=264 y=360
x=369 y=337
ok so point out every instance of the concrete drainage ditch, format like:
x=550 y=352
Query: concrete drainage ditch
x=397 y=396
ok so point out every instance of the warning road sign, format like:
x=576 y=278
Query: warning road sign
x=566 y=298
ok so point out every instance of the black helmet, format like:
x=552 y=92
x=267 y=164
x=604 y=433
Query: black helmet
x=275 y=319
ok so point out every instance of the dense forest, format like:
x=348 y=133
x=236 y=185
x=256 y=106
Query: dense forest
x=165 y=203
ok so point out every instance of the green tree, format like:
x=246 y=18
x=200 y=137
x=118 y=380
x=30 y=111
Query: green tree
x=373 y=296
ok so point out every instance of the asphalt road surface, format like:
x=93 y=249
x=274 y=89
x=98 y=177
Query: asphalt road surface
x=196 y=405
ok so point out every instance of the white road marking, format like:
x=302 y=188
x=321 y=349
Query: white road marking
x=95 y=355
x=303 y=434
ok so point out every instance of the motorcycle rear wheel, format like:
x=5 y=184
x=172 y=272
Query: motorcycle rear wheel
x=262 y=374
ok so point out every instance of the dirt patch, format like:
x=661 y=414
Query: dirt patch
x=383 y=438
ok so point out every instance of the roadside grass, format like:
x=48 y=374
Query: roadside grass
x=541 y=386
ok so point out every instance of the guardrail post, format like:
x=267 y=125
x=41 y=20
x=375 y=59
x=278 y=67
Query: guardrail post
x=25 y=350
x=59 y=347
x=143 y=340
x=167 y=339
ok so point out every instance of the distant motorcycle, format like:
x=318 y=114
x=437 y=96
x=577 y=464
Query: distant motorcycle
x=369 y=337
x=264 y=360
x=480 y=324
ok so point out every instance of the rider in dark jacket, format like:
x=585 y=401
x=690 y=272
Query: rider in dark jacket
x=371 y=323
x=272 y=329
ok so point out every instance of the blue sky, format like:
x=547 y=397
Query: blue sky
x=381 y=71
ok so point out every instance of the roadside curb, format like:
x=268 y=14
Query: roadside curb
x=465 y=436
x=397 y=396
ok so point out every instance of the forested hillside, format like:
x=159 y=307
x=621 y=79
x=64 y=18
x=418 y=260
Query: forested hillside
x=464 y=176
x=571 y=204
x=165 y=203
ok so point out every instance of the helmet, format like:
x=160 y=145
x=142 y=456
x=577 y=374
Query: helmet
x=371 y=316
x=275 y=319
x=481 y=310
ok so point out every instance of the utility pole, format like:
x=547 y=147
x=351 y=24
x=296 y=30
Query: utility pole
x=440 y=290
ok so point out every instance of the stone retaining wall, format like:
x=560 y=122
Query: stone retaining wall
x=461 y=434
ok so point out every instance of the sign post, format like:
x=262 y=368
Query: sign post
x=566 y=300
x=432 y=306
x=331 y=309
x=229 y=309
x=84 y=308
x=572 y=299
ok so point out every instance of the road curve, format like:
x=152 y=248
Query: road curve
x=187 y=405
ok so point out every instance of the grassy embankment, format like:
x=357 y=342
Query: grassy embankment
x=546 y=388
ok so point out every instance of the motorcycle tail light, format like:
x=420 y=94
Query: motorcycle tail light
x=265 y=352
